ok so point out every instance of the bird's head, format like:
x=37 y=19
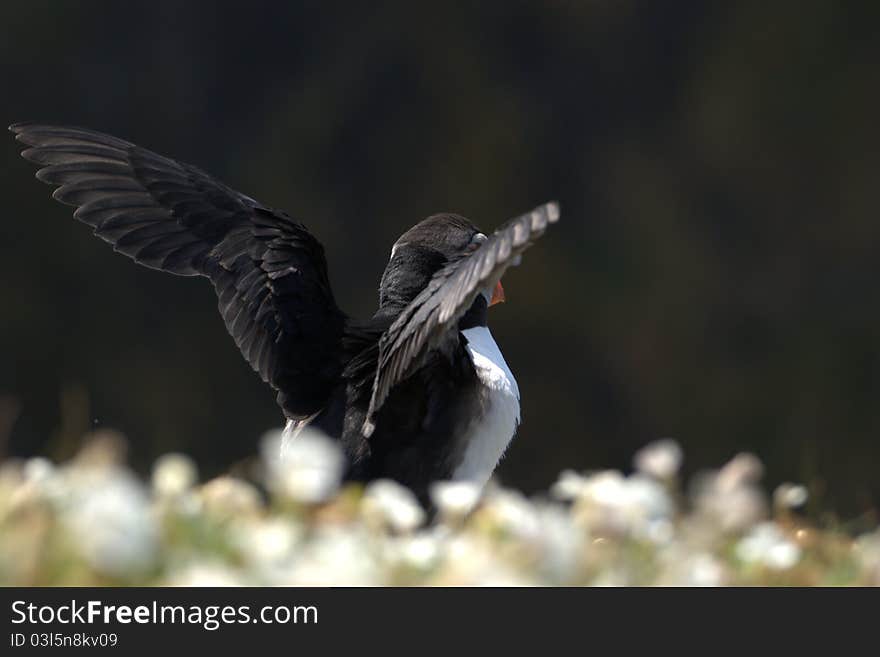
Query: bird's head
x=422 y=250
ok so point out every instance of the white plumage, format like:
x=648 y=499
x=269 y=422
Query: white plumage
x=493 y=431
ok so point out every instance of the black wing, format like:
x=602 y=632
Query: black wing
x=427 y=319
x=269 y=272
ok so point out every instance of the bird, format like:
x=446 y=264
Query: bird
x=419 y=392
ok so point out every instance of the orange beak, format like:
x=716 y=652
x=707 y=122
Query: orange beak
x=497 y=295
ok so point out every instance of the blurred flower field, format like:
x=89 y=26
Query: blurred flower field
x=92 y=521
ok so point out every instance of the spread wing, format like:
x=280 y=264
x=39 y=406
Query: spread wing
x=436 y=310
x=269 y=272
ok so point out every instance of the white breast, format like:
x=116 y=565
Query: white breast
x=489 y=436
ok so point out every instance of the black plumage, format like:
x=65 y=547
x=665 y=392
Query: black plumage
x=428 y=319
x=397 y=390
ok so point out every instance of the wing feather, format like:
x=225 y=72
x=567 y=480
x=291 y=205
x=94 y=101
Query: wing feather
x=269 y=272
x=422 y=325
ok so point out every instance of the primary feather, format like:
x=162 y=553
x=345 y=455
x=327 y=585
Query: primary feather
x=269 y=272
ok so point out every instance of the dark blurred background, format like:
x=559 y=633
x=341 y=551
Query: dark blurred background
x=713 y=278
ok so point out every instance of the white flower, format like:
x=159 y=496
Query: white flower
x=636 y=505
x=38 y=470
x=765 y=544
x=108 y=513
x=647 y=498
x=310 y=468
x=394 y=505
x=513 y=513
x=561 y=542
x=267 y=543
x=660 y=531
x=230 y=496
x=334 y=556
x=569 y=486
x=173 y=475
x=102 y=449
x=421 y=551
x=607 y=488
x=472 y=561
x=730 y=497
x=455 y=499
x=742 y=470
x=790 y=496
x=37 y=481
x=661 y=459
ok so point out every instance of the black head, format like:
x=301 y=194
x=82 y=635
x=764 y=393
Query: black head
x=420 y=252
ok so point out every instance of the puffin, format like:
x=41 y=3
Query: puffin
x=419 y=392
